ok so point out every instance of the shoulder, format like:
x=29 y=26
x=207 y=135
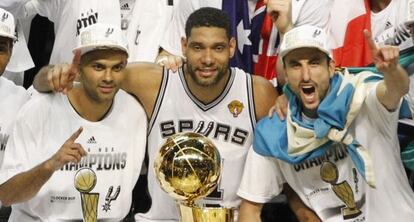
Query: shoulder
x=10 y=87
x=39 y=105
x=144 y=71
x=264 y=95
x=11 y=92
x=262 y=84
x=129 y=103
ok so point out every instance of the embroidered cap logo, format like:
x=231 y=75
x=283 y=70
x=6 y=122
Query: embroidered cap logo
x=316 y=33
x=4 y=17
x=108 y=32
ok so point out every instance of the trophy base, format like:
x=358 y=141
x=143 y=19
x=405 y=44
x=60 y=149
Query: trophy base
x=205 y=214
x=349 y=213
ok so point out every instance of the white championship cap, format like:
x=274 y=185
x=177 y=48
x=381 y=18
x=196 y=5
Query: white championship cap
x=410 y=19
x=100 y=36
x=305 y=36
x=7 y=25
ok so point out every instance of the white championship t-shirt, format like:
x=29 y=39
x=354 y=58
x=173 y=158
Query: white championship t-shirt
x=12 y=99
x=388 y=26
x=375 y=128
x=115 y=149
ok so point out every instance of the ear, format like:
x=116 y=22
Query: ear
x=232 y=46
x=331 y=68
x=184 y=45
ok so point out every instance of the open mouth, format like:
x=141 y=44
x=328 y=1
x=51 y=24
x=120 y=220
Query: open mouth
x=308 y=90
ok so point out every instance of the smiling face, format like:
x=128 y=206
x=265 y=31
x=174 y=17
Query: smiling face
x=208 y=51
x=308 y=73
x=101 y=73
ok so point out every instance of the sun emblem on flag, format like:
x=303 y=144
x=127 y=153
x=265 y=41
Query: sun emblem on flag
x=235 y=108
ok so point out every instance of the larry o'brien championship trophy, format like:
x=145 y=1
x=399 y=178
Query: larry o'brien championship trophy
x=188 y=168
x=85 y=181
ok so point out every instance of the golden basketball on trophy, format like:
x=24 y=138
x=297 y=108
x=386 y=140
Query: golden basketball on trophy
x=85 y=181
x=188 y=168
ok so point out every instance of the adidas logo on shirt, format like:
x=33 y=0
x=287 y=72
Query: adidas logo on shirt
x=125 y=6
x=388 y=25
x=91 y=140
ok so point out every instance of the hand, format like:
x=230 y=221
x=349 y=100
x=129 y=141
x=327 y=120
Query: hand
x=68 y=152
x=281 y=13
x=385 y=58
x=172 y=62
x=60 y=77
x=280 y=107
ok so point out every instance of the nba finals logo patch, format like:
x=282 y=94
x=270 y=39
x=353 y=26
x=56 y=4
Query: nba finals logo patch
x=235 y=108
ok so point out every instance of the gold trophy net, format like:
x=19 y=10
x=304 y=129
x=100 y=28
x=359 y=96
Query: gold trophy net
x=188 y=167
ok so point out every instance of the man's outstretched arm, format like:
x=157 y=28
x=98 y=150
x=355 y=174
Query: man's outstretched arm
x=24 y=186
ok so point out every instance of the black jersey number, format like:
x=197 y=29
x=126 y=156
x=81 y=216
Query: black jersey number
x=217 y=193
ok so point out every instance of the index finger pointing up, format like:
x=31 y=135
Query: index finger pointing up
x=75 y=135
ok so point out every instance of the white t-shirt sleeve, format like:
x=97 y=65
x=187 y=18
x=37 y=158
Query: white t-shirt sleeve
x=385 y=121
x=51 y=9
x=22 y=142
x=176 y=29
x=313 y=12
x=262 y=178
x=13 y=6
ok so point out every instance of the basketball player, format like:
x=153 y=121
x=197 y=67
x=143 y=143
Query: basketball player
x=339 y=148
x=114 y=137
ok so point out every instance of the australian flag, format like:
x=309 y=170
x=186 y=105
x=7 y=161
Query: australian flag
x=238 y=11
x=265 y=41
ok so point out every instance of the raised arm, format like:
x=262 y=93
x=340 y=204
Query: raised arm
x=24 y=186
x=396 y=81
x=281 y=13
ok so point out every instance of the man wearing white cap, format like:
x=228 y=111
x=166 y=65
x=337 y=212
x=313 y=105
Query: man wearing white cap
x=13 y=98
x=99 y=185
x=338 y=147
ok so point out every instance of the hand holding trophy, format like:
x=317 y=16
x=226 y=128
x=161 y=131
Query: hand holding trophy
x=188 y=168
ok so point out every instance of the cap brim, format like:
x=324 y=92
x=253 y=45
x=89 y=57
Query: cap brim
x=284 y=53
x=8 y=36
x=89 y=48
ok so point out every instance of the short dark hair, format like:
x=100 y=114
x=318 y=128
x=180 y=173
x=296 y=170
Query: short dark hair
x=208 y=17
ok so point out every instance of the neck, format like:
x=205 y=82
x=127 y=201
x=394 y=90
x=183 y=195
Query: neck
x=206 y=94
x=86 y=107
x=310 y=113
x=379 y=5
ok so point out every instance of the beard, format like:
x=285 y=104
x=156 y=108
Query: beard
x=221 y=72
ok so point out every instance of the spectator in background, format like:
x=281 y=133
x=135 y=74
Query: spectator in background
x=384 y=18
x=143 y=22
